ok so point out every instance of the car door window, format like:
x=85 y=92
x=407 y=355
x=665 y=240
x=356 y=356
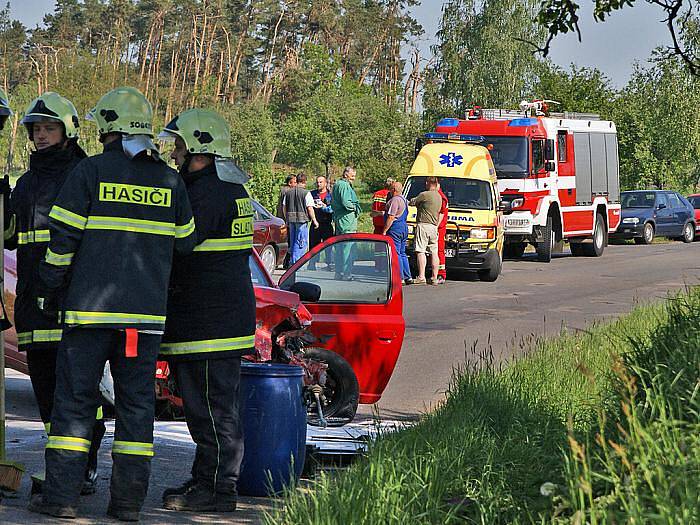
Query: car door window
x=351 y=271
x=661 y=199
x=674 y=201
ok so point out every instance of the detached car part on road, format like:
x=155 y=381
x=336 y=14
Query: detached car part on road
x=346 y=335
x=650 y=213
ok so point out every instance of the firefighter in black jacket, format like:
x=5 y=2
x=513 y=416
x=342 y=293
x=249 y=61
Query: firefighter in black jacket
x=52 y=125
x=211 y=310
x=114 y=229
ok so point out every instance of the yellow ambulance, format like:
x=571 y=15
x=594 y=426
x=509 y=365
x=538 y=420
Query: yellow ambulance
x=474 y=238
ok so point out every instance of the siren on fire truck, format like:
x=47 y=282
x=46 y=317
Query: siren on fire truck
x=559 y=172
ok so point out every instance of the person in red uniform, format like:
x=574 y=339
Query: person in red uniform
x=379 y=205
x=442 y=230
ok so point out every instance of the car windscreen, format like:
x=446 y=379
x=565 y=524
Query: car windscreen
x=461 y=193
x=695 y=202
x=638 y=199
x=510 y=156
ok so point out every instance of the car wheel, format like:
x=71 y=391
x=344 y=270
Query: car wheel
x=647 y=234
x=596 y=248
x=546 y=247
x=341 y=392
x=688 y=232
x=269 y=258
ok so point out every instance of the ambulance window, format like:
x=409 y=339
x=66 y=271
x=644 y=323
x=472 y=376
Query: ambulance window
x=537 y=155
x=561 y=146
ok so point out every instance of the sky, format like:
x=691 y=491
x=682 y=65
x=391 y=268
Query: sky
x=613 y=46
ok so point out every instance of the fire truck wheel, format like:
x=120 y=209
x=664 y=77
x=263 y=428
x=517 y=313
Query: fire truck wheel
x=342 y=391
x=514 y=250
x=647 y=234
x=596 y=248
x=688 y=232
x=546 y=247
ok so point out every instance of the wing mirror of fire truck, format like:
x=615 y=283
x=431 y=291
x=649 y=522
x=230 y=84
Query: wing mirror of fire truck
x=506 y=207
x=549 y=150
x=549 y=165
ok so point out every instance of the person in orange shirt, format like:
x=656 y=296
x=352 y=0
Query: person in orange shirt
x=379 y=200
x=442 y=231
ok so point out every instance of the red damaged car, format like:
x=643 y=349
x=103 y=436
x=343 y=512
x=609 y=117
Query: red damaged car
x=346 y=334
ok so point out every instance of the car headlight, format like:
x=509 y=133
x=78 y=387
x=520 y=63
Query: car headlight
x=517 y=203
x=630 y=220
x=482 y=233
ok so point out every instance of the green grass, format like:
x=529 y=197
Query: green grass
x=506 y=433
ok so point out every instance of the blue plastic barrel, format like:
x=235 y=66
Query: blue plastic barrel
x=274 y=427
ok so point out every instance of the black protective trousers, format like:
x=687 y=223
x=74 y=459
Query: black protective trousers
x=42 y=371
x=82 y=355
x=210 y=397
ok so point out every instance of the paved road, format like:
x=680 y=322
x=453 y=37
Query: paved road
x=528 y=298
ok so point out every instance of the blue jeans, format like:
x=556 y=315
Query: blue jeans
x=298 y=240
x=400 y=239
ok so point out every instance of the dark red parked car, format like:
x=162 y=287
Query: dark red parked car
x=269 y=237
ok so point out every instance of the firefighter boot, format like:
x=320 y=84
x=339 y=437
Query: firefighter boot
x=36 y=504
x=201 y=498
x=176 y=491
x=122 y=514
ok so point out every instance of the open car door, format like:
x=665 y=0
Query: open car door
x=359 y=313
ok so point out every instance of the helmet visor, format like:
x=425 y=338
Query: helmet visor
x=28 y=119
x=90 y=116
x=167 y=135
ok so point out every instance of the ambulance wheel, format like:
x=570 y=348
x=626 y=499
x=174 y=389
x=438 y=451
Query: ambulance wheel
x=492 y=273
x=514 y=250
x=546 y=247
x=596 y=248
x=341 y=392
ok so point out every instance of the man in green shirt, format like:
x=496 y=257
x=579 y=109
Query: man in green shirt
x=346 y=209
x=428 y=205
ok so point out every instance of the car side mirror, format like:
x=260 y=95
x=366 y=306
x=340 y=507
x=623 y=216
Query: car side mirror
x=549 y=165
x=505 y=207
x=549 y=150
x=308 y=292
x=661 y=206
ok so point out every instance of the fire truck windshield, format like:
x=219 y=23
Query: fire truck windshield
x=471 y=194
x=510 y=156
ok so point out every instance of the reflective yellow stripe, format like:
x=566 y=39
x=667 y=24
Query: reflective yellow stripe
x=68 y=443
x=100 y=414
x=10 y=228
x=224 y=245
x=39 y=336
x=77 y=317
x=33 y=236
x=126 y=224
x=47 y=428
x=58 y=259
x=208 y=345
x=68 y=217
x=132 y=447
x=184 y=230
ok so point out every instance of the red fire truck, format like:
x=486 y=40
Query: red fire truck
x=558 y=171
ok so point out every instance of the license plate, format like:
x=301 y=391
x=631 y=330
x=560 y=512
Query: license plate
x=450 y=252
